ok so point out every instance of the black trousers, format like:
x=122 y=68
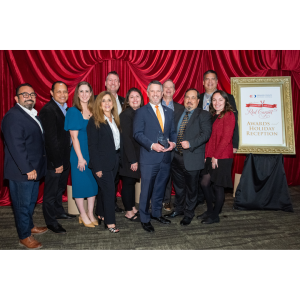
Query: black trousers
x=185 y=185
x=168 y=191
x=128 y=192
x=106 y=197
x=55 y=186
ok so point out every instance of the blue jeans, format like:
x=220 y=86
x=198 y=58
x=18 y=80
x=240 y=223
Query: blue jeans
x=24 y=196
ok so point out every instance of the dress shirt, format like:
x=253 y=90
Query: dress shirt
x=32 y=113
x=181 y=118
x=171 y=104
x=119 y=105
x=160 y=110
x=206 y=101
x=63 y=108
x=115 y=130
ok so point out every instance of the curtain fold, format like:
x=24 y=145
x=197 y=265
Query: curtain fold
x=41 y=68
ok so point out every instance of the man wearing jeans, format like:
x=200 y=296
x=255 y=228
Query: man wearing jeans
x=25 y=162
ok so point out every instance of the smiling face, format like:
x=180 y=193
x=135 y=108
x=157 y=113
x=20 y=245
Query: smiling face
x=218 y=103
x=26 y=102
x=106 y=104
x=190 y=100
x=134 y=100
x=84 y=93
x=112 y=83
x=154 y=93
x=60 y=93
x=168 y=90
x=210 y=83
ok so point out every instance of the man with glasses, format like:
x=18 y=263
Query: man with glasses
x=25 y=162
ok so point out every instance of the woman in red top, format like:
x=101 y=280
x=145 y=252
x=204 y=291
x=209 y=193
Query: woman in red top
x=219 y=156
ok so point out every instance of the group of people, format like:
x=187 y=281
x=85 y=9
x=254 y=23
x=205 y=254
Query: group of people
x=102 y=138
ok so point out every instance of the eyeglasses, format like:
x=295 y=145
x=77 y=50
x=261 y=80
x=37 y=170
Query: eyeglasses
x=26 y=95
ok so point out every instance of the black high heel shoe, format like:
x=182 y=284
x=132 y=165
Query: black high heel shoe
x=112 y=230
x=99 y=220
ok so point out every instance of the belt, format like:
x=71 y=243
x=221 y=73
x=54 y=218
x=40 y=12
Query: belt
x=179 y=153
x=118 y=151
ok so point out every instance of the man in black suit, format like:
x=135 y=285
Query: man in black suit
x=193 y=131
x=210 y=82
x=25 y=162
x=58 y=156
x=167 y=101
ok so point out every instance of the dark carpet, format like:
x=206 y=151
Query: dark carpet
x=237 y=230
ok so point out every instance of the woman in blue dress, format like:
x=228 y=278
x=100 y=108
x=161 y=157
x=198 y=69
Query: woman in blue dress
x=84 y=184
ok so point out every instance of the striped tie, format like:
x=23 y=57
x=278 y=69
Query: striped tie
x=159 y=118
x=181 y=131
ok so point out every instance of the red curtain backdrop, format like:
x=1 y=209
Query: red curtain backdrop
x=137 y=69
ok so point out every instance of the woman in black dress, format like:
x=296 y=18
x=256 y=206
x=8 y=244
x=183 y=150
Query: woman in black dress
x=130 y=171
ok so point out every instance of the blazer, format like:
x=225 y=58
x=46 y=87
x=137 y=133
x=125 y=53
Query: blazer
x=235 y=139
x=220 y=143
x=24 y=145
x=146 y=129
x=178 y=107
x=57 y=140
x=197 y=133
x=101 y=146
x=131 y=153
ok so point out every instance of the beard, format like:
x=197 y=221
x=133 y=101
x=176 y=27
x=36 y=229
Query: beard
x=29 y=104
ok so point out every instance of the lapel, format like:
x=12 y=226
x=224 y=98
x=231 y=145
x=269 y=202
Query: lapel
x=152 y=113
x=177 y=116
x=193 y=118
x=110 y=133
x=200 y=105
x=57 y=109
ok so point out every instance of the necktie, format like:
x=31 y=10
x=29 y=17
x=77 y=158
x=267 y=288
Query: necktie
x=181 y=131
x=159 y=118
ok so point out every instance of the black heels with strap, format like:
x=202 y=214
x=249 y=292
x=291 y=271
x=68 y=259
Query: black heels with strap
x=112 y=229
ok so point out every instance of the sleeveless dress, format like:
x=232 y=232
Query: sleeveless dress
x=83 y=183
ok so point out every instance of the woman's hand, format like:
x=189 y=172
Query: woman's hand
x=214 y=162
x=99 y=174
x=81 y=165
x=134 y=167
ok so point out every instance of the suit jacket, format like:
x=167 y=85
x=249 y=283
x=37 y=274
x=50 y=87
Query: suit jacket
x=131 y=153
x=101 y=146
x=177 y=106
x=57 y=140
x=235 y=139
x=24 y=145
x=197 y=133
x=146 y=129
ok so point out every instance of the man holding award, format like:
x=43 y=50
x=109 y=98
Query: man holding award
x=155 y=131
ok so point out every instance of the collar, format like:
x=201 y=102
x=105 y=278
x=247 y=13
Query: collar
x=208 y=95
x=32 y=112
x=106 y=118
x=153 y=105
x=65 y=106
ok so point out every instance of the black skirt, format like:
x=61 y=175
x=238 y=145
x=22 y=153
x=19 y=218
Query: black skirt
x=221 y=175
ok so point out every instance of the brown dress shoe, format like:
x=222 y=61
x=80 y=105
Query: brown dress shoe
x=30 y=243
x=38 y=230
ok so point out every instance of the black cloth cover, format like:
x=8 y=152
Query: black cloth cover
x=263 y=184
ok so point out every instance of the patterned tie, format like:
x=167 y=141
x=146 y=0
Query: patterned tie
x=159 y=118
x=181 y=131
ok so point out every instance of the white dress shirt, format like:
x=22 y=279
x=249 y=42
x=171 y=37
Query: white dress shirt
x=32 y=113
x=161 y=110
x=115 y=131
x=119 y=105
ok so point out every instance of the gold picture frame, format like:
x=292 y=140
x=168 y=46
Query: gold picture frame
x=257 y=139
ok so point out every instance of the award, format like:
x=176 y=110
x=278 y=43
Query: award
x=162 y=140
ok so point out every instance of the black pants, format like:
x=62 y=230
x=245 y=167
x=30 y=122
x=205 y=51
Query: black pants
x=55 y=186
x=168 y=191
x=106 y=196
x=185 y=185
x=128 y=192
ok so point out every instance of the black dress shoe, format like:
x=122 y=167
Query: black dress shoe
x=174 y=214
x=161 y=220
x=203 y=216
x=118 y=209
x=56 y=229
x=186 y=221
x=148 y=227
x=65 y=216
x=209 y=220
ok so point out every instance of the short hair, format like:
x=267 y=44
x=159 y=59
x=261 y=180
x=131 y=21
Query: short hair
x=154 y=82
x=198 y=94
x=23 y=84
x=112 y=73
x=126 y=102
x=53 y=85
x=170 y=81
x=76 y=100
x=227 y=107
x=209 y=72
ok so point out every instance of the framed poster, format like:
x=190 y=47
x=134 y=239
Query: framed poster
x=265 y=114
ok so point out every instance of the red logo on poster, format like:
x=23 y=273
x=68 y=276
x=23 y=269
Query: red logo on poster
x=262 y=104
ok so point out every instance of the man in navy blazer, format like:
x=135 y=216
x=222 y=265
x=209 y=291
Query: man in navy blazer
x=155 y=160
x=25 y=162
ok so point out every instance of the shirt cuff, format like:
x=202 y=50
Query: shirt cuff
x=151 y=146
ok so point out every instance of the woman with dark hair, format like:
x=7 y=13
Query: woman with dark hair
x=219 y=156
x=130 y=171
x=83 y=182
x=104 y=142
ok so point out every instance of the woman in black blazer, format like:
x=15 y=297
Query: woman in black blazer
x=104 y=142
x=130 y=171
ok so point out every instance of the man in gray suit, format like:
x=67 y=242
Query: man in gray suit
x=194 y=130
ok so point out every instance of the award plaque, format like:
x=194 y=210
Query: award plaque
x=162 y=140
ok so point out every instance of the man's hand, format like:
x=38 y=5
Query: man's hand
x=172 y=146
x=99 y=174
x=59 y=169
x=235 y=150
x=214 y=163
x=134 y=166
x=32 y=175
x=185 y=144
x=157 y=147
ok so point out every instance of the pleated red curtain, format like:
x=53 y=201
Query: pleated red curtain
x=137 y=69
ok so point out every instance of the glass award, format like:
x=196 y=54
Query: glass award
x=162 y=140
